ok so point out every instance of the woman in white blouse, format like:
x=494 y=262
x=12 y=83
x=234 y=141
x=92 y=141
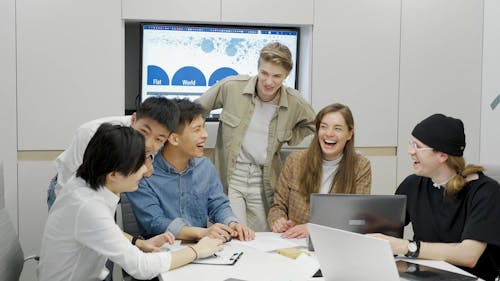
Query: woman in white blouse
x=81 y=234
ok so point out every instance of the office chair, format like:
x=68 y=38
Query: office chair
x=126 y=220
x=125 y=216
x=11 y=254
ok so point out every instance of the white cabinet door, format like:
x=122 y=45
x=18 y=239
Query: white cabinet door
x=292 y=12
x=172 y=10
x=69 y=68
x=356 y=62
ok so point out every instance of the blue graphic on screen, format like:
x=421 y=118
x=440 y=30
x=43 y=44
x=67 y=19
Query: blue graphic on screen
x=220 y=74
x=191 y=55
x=189 y=76
x=233 y=46
x=157 y=76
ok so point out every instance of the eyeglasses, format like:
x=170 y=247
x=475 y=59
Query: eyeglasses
x=413 y=145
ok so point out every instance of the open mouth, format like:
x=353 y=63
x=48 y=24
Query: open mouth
x=329 y=143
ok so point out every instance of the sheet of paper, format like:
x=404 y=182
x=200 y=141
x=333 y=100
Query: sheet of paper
x=174 y=247
x=267 y=242
x=307 y=265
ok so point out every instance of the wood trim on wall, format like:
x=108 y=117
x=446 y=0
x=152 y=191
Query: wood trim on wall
x=51 y=155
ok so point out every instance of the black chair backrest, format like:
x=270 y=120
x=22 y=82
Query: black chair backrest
x=129 y=222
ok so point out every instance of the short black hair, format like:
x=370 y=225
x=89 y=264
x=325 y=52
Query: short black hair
x=113 y=148
x=188 y=111
x=161 y=110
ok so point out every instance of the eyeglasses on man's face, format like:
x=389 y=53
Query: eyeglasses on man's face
x=413 y=145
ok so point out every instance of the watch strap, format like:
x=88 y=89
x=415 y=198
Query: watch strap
x=134 y=239
x=414 y=254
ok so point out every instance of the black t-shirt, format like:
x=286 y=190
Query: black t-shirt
x=473 y=213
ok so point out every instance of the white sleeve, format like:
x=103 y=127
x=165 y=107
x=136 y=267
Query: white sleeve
x=68 y=162
x=96 y=229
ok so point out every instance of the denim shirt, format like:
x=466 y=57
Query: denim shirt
x=168 y=200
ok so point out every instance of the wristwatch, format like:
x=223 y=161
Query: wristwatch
x=135 y=238
x=413 y=249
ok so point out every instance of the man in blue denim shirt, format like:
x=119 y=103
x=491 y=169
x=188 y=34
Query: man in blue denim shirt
x=185 y=189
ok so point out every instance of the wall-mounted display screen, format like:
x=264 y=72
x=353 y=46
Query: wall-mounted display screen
x=185 y=60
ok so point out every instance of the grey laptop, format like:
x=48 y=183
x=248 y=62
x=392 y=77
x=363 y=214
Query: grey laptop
x=349 y=256
x=359 y=213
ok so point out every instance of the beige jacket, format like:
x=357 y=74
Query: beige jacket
x=293 y=121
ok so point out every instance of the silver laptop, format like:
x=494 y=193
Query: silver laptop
x=359 y=213
x=349 y=256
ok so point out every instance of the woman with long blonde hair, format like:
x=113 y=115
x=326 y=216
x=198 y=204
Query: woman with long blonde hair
x=329 y=165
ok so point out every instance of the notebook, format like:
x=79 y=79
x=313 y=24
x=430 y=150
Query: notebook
x=359 y=213
x=349 y=256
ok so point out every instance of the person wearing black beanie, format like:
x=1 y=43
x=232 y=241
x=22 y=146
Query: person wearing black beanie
x=442 y=133
x=453 y=207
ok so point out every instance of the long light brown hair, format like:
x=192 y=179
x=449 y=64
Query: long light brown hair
x=311 y=173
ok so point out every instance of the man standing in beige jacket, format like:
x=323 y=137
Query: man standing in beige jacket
x=259 y=115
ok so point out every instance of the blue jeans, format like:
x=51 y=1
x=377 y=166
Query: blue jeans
x=51 y=192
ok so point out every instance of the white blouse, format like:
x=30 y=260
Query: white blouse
x=81 y=234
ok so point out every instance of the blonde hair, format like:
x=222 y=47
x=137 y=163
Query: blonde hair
x=458 y=182
x=277 y=53
x=310 y=174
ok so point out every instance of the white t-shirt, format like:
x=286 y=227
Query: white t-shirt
x=329 y=172
x=256 y=139
x=68 y=162
x=80 y=234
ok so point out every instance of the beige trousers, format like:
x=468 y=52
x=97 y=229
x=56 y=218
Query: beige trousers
x=247 y=196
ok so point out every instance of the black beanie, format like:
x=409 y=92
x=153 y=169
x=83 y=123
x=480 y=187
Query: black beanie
x=443 y=133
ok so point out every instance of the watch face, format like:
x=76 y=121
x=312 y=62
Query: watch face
x=412 y=247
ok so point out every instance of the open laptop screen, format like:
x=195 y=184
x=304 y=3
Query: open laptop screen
x=360 y=213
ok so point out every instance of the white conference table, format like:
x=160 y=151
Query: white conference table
x=257 y=264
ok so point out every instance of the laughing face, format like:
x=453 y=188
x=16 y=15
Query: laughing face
x=333 y=134
x=118 y=182
x=425 y=161
x=193 y=137
x=155 y=134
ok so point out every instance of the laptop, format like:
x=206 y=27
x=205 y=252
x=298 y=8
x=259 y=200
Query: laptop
x=359 y=213
x=349 y=256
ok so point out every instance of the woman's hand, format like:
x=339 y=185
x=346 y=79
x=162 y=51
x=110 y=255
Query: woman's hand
x=207 y=246
x=154 y=244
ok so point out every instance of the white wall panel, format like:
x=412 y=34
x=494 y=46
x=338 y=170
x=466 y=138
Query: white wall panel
x=383 y=174
x=490 y=105
x=355 y=62
x=177 y=10
x=8 y=139
x=70 y=68
x=33 y=182
x=441 y=46
x=296 y=12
